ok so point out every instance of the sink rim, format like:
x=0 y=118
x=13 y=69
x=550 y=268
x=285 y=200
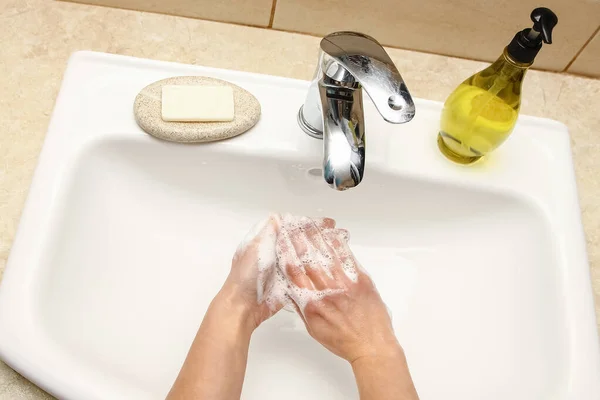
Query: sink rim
x=558 y=200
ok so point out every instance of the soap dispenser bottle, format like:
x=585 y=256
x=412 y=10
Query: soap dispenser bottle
x=481 y=113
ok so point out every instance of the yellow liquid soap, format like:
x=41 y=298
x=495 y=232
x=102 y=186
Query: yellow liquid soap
x=481 y=113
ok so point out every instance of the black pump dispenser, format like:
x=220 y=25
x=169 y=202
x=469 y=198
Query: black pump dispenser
x=527 y=43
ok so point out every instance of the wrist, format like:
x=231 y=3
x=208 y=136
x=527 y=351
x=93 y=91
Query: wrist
x=395 y=360
x=231 y=306
x=387 y=351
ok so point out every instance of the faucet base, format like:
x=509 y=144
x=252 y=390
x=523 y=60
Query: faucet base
x=306 y=127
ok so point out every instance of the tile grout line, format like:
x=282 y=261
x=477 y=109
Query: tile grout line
x=582 y=49
x=272 y=17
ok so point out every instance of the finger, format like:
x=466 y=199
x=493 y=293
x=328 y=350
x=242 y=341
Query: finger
x=270 y=227
x=340 y=275
x=320 y=279
x=322 y=259
x=266 y=229
x=302 y=230
x=289 y=262
x=298 y=235
x=363 y=278
x=343 y=268
x=336 y=233
x=324 y=222
x=342 y=248
x=344 y=234
x=350 y=265
x=335 y=278
x=297 y=275
x=333 y=238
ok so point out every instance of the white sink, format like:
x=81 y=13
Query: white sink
x=125 y=239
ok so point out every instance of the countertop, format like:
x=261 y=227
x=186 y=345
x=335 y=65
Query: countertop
x=39 y=35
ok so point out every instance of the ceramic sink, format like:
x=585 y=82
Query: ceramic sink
x=125 y=239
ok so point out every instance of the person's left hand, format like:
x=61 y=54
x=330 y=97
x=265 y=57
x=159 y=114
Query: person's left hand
x=253 y=269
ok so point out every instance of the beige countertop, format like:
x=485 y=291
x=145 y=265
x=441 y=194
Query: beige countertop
x=39 y=35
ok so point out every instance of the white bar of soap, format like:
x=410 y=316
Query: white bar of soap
x=194 y=103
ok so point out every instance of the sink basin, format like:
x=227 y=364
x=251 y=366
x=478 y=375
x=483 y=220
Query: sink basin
x=125 y=239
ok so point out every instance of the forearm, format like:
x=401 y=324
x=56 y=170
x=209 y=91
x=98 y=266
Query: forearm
x=216 y=363
x=384 y=377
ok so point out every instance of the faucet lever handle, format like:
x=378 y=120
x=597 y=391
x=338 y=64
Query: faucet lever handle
x=373 y=68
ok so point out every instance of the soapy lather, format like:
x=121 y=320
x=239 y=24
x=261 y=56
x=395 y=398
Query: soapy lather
x=292 y=245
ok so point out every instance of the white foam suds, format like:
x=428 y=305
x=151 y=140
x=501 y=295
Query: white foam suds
x=288 y=245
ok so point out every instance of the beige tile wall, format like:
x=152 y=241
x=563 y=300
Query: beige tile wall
x=463 y=28
x=588 y=62
x=249 y=12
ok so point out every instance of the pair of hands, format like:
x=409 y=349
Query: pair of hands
x=352 y=322
x=294 y=260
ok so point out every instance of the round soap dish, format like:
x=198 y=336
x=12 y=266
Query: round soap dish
x=148 y=115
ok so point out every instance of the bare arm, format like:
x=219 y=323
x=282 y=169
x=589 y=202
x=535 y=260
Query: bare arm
x=216 y=363
x=385 y=377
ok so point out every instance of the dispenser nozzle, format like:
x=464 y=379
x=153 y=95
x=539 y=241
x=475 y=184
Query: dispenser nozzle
x=527 y=43
x=544 y=20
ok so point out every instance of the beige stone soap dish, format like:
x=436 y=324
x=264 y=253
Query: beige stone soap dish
x=147 y=110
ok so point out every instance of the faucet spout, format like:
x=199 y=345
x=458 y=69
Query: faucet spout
x=343 y=135
x=333 y=110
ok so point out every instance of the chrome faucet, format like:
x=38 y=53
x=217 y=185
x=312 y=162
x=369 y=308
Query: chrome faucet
x=333 y=110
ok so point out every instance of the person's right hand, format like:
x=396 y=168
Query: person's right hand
x=352 y=321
